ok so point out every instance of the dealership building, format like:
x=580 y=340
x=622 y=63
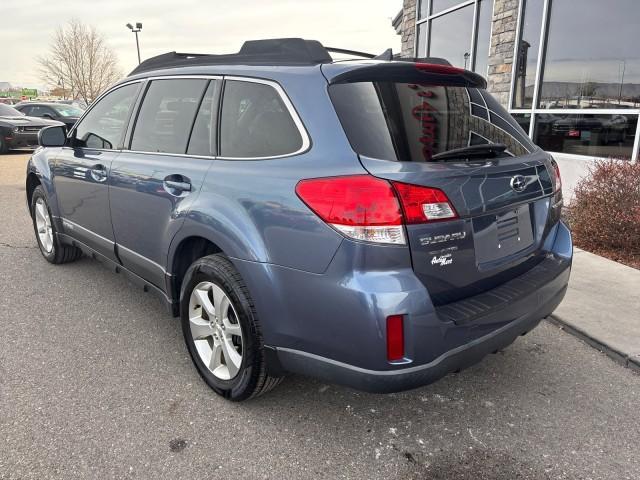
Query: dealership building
x=567 y=70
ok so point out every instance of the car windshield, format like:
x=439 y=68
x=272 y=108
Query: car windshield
x=68 y=111
x=7 y=111
x=415 y=122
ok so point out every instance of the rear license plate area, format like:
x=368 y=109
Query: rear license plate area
x=499 y=235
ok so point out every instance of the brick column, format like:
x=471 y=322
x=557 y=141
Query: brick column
x=503 y=37
x=408 y=28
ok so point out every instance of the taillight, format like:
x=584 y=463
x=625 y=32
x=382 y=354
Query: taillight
x=424 y=204
x=360 y=206
x=395 y=338
x=557 y=180
x=369 y=208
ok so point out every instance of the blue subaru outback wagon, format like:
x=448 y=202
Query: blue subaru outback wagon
x=374 y=222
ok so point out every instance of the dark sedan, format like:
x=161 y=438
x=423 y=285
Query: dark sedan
x=18 y=130
x=67 y=114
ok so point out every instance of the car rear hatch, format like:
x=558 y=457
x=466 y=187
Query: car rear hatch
x=435 y=126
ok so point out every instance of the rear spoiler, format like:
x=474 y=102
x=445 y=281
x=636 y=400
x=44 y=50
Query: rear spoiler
x=417 y=71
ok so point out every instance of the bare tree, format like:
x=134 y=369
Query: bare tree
x=80 y=62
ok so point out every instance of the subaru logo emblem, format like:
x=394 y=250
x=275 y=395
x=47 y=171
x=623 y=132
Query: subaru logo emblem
x=518 y=183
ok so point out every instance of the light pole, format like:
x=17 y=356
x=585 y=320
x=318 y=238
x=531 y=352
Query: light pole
x=135 y=30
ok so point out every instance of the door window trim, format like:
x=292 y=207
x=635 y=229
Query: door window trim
x=72 y=132
x=306 y=141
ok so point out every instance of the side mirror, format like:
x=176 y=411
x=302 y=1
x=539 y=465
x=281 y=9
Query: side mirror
x=47 y=115
x=54 y=136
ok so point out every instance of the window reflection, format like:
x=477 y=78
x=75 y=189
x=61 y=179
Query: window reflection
x=438 y=6
x=592 y=58
x=422 y=40
x=423 y=9
x=527 y=54
x=523 y=119
x=483 y=37
x=589 y=134
x=450 y=37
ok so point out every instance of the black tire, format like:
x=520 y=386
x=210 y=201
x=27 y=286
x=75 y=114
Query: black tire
x=60 y=252
x=3 y=145
x=252 y=379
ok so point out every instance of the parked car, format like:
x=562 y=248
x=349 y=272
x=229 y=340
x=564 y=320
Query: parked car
x=18 y=130
x=67 y=114
x=609 y=129
x=374 y=223
x=8 y=101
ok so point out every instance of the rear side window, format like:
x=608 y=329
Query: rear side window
x=167 y=115
x=413 y=122
x=103 y=127
x=255 y=122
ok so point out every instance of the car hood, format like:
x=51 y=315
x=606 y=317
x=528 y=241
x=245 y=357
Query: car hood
x=28 y=121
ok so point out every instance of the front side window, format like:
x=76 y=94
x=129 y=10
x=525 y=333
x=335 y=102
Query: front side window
x=167 y=115
x=414 y=122
x=256 y=122
x=103 y=127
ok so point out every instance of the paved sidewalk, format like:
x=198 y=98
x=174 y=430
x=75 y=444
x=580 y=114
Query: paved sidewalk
x=602 y=306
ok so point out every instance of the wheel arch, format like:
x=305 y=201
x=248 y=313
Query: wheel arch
x=183 y=253
x=32 y=182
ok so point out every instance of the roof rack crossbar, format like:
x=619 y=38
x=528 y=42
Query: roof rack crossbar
x=349 y=52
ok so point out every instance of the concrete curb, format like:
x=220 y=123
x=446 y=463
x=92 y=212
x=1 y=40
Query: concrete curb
x=600 y=345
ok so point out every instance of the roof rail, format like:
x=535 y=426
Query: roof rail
x=276 y=51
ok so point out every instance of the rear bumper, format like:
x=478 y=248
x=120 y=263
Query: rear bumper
x=332 y=325
x=454 y=360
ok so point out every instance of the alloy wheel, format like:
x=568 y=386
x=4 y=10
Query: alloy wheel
x=215 y=330
x=43 y=225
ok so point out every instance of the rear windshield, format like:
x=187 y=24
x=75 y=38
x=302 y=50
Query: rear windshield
x=413 y=122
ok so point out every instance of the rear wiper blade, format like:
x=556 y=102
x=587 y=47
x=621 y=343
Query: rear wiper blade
x=485 y=150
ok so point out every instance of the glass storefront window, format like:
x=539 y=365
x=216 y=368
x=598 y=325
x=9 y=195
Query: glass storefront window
x=421 y=46
x=423 y=9
x=592 y=58
x=589 y=134
x=438 y=6
x=450 y=37
x=527 y=54
x=524 y=120
x=483 y=37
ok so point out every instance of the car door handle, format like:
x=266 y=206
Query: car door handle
x=98 y=172
x=179 y=186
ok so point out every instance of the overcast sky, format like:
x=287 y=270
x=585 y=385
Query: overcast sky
x=207 y=26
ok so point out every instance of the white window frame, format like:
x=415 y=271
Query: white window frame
x=474 y=28
x=534 y=109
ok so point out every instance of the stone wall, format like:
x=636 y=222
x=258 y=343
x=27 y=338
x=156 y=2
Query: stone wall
x=503 y=37
x=408 y=28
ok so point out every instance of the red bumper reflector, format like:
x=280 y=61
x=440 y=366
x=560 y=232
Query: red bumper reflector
x=395 y=338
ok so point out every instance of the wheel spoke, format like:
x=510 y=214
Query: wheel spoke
x=216 y=356
x=220 y=302
x=232 y=328
x=200 y=328
x=232 y=357
x=203 y=298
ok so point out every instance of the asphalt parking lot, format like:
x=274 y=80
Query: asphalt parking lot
x=95 y=382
